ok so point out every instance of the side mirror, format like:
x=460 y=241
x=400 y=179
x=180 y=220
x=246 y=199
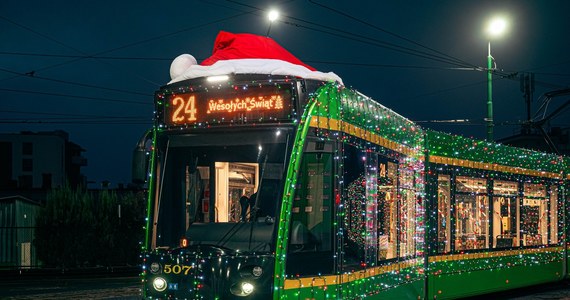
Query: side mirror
x=140 y=162
x=139 y=166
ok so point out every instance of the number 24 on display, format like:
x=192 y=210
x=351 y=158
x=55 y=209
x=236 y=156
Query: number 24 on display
x=185 y=110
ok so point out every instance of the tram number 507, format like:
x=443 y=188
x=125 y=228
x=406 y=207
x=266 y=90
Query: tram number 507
x=176 y=269
x=184 y=110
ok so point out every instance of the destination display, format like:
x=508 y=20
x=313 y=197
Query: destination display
x=238 y=105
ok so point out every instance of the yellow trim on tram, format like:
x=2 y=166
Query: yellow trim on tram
x=338 y=125
x=493 y=254
x=317 y=281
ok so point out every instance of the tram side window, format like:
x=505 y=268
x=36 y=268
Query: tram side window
x=534 y=215
x=387 y=210
x=554 y=215
x=471 y=213
x=354 y=205
x=370 y=219
x=505 y=214
x=408 y=209
x=310 y=241
x=443 y=214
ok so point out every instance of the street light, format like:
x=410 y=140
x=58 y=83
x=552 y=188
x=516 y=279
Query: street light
x=495 y=29
x=273 y=15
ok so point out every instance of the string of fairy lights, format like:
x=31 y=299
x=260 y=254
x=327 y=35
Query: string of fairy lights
x=455 y=146
x=391 y=212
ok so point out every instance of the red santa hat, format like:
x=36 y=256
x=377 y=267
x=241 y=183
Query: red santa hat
x=244 y=45
x=245 y=53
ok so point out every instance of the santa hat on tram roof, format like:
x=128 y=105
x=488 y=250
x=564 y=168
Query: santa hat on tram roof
x=245 y=54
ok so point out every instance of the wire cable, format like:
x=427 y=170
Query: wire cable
x=77 y=83
x=76 y=96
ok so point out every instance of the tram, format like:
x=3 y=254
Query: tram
x=277 y=186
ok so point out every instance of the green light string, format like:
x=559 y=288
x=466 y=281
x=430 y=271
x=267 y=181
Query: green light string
x=454 y=146
x=285 y=214
x=148 y=224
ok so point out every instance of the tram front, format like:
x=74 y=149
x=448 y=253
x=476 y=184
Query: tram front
x=220 y=152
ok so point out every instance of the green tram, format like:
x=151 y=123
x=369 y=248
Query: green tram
x=281 y=187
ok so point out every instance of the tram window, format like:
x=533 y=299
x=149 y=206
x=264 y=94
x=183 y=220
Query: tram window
x=387 y=210
x=505 y=214
x=554 y=215
x=354 y=205
x=534 y=215
x=371 y=187
x=471 y=214
x=310 y=240
x=203 y=177
x=443 y=214
x=408 y=212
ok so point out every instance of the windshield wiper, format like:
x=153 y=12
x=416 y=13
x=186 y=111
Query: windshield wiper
x=254 y=209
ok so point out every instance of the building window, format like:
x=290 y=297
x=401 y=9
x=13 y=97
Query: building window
x=25 y=181
x=27 y=148
x=27 y=165
x=46 y=180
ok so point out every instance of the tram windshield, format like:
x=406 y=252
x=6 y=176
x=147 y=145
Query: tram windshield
x=220 y=189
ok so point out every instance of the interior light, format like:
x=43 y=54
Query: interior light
x=217 y=78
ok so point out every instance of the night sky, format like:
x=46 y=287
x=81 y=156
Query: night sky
x=91 y=67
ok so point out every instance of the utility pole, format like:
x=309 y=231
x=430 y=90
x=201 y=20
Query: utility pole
x=527 y=88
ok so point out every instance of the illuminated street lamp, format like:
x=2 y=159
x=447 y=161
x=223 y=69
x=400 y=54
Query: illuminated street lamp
x=495 y=29
x=273 y=15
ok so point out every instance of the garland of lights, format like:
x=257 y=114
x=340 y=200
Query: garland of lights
x=350 y=108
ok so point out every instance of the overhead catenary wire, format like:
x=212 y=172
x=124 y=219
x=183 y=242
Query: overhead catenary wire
x=103 y=122
x=352 y=63
x=62 y=44
x=77 y=96
x=77 y=83
x=445 y=58
x=123 y=46
x=360 y=38
x=360 y=20
x=63 y=114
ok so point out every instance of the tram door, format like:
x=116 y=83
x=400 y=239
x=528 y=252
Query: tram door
x=310 y=250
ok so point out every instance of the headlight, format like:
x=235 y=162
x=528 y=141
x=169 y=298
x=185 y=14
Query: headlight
x=159 y=284
x=257 y=271
x=246 y=288
x=154 y=267
x=242 y=289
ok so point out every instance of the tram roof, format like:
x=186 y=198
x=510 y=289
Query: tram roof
x=467 y=150
x=338 y=102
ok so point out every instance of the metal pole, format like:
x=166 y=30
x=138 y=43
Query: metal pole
x=489 y=119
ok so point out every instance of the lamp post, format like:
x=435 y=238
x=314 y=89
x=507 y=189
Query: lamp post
x=496 y=28
x=272 y=16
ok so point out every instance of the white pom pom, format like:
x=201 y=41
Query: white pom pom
x=181 y=64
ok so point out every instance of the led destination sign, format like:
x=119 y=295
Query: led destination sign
x=238 y=105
